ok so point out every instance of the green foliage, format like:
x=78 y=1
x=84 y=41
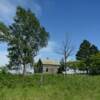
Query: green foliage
x=3 y=27
x=3 y=69
x=94 y=64
x=94 y=50
x=76 y=65
x=3 y=32
x=72 y=64
x=86 y=50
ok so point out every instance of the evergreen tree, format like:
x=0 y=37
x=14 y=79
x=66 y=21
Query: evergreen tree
x=39 y=66
x=85 y=52
x=93 y=50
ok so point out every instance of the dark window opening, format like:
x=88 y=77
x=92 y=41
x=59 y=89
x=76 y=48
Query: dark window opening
x=46 y=69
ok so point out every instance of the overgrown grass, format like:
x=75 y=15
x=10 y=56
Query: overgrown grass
x=55 y=87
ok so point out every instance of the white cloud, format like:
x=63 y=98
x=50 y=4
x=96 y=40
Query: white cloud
x=7 y=11
x=37 y=9
x=8 y=8
x=48 y=51
x=31 y=4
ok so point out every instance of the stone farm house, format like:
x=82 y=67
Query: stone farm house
x=50 y=66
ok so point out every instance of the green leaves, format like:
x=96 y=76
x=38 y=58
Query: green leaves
x=3 y=28
x=94 y=62
x=4 y=34
x=86 y=50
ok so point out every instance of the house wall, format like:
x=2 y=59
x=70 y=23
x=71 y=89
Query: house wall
x=51 y=69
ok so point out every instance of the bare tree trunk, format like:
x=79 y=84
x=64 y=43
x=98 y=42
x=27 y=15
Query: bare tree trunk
x=65 y=50
x=65 y=61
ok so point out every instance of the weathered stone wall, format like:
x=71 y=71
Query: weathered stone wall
x=51 y=69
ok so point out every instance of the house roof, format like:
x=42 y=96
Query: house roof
x=50 y=62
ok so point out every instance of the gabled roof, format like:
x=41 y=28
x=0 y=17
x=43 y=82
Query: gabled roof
x=50 y=62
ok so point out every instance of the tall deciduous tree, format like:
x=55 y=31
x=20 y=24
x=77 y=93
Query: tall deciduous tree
x=29 y=36
x=26 y=38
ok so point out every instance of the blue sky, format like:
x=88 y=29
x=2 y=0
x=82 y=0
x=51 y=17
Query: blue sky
x=80 y=19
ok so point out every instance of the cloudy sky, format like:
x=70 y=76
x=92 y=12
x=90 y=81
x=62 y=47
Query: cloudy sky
x=80 y=19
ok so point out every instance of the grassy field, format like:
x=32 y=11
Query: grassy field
x=55 y=87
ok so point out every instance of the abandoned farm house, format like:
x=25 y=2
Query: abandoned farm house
x=50 y=66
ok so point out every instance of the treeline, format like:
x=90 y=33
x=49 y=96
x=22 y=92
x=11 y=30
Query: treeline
x=87 y=59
